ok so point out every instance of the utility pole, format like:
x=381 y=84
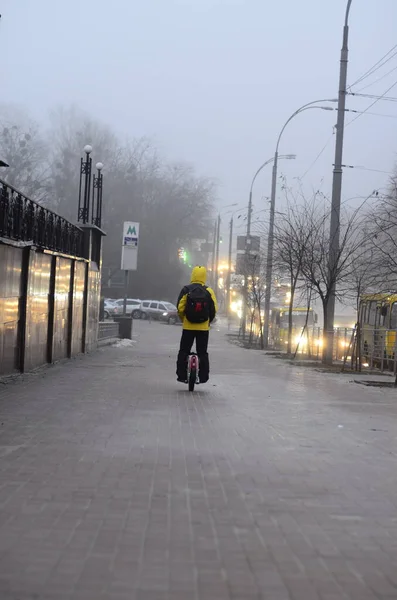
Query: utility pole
x=215 y=250
x=336 y=194
x=213 y=256
x=246 y=263
x=229 y=268
x=269 y=257
x=273 y=195
x=218 y=237
x=270 y=241
x=126 y=282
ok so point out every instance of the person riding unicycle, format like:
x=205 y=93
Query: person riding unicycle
x=197 y=307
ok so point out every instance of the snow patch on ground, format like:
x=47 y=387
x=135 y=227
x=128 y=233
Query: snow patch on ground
x=125 y=343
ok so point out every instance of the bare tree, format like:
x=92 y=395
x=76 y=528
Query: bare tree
x=316 y=264
x=172 y=204
x=291 y=243
x=256 y=294
x=25 y=149
x=70 y=130
x=367 y=275
x=302 y=250
x=384 y=237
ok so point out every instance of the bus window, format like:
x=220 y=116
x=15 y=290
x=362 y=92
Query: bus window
x=371 y=313
x=393 y=321
x=384 y=315
x=361 y=317
x=366 y=314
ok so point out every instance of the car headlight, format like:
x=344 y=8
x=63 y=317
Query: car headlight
x=165 y=314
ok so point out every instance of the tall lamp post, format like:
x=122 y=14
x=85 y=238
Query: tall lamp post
x=337 y=191
x=218 y=241
x=85 y=173
x=270 y=241
x=248 y=236
x=214 y=253
x=97 y=185
x=229 y=267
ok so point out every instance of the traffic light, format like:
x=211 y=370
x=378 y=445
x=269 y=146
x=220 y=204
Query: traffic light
x=182 y=255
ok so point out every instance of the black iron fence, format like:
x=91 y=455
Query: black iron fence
x=23 y=219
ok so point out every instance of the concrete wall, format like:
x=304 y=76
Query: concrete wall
x=49 y=305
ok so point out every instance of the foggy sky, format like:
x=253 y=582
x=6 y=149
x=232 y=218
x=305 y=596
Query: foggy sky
x=212 y=81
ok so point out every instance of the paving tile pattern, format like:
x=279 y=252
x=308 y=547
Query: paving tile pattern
x=269 y=483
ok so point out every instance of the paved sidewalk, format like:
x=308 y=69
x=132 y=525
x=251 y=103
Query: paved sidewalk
x=270 y=483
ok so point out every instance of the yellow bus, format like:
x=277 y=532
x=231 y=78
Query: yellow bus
x=377 y=318
x=279 y=324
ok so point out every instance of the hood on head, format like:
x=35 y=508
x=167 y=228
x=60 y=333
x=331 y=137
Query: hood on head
x=199 y=275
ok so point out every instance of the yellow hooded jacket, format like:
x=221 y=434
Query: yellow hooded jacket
x=199 y=275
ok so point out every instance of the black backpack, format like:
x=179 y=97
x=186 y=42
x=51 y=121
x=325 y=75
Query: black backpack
x=198 y=303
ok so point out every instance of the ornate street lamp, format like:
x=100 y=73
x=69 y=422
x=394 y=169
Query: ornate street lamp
x=85 y=173
x=97 y=185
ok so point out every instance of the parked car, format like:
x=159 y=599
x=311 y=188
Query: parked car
x=108 y=309
x=159 y=310
x=132 y=304
x=170 y=315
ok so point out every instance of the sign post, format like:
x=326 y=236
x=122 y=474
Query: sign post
x=129 y=255
x=126 y=282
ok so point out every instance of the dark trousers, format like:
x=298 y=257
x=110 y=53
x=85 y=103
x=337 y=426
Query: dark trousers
x=187 y=340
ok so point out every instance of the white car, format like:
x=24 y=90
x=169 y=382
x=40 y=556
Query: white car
x=132 y=304
x=109 y=307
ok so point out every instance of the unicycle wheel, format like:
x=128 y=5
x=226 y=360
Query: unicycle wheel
x=192 y=380
x=192 y=371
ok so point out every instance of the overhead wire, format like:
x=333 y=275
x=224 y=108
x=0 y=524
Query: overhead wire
x=372 y=104
x=317 y=157
x=375 y=170
x=367 y=169
x=378 y=65
x=371 y=113
x=371 y=96
x=376 y=98
x=377 y=80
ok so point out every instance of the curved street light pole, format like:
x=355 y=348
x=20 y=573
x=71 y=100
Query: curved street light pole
x=229 y=262
x=336 y=194
x=248 y=236
x=215 y=255
x=270 y=241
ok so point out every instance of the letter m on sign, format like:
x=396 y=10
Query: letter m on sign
x=131 y=230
